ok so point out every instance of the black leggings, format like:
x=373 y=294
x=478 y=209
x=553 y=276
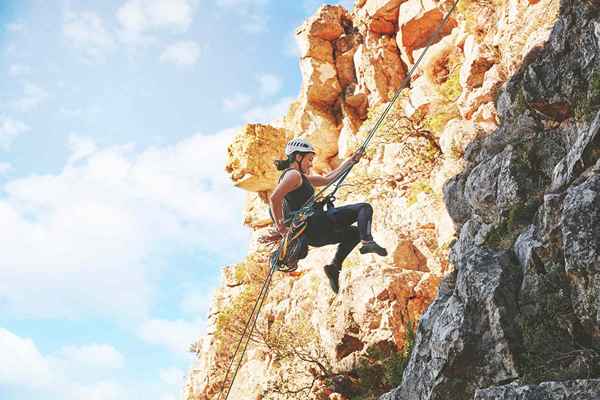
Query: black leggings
x=335 y=226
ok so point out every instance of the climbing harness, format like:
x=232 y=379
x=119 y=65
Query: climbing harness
x=292 y=245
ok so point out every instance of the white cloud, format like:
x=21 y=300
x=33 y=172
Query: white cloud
x=21 y=363
x=269 y=84
x=252 y=13
x=196 y=303
x=100 y=227
x=268 y=113
x=32 y=97
x=24 y=368
x=9 y=130
x=238 y=101
x=181 y=54
x=86 y=31
x=5 y=168
x=93 y=356
x=139 y=16
x=18 y=70
x=177 y=335
x=347 y=4
x=15 y=27
x=291 y=47
x=172 y=376
x=80 y=148
x=91 y=372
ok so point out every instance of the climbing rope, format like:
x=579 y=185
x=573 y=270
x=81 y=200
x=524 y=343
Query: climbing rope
x=262 y=295
x=299 y=216
x=344 y=173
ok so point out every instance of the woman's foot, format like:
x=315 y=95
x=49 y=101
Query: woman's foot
x=372 y=247
x=333 y=274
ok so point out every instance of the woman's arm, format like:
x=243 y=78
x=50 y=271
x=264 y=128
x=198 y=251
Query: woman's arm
x=318 y=180
x=290 y=181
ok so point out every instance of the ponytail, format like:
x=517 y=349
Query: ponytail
x=285 y=164
x=282 y=165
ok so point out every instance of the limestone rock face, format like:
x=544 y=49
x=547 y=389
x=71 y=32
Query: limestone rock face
x=256 y=210
x=319 y=127
x=250 y=157
x=322 y=85
x=382 y=15
x=470 y=102
x=485 y=185
x=584 y=389
x=315 y=37
x=475 y=65
x=528 y=236
x=418 y=20
x=345 y=47
x=326 y=23
x=379 y=69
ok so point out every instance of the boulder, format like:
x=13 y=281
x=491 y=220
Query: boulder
x=456 y=136
x=345 y=47
x=320 y=84
x=381 y=15
x=407 y=256
x=417 y=21
x=469 y=329
x=580 y=226
x=326 y=23
x=470 y=101
x=256 y=210
x=475 y=64
x=251 y=154
x=379 y=70
x=314 y=47
x=318 y=126
x=583 y=389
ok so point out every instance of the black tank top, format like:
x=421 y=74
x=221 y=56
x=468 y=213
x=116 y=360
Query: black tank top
x=295 y=199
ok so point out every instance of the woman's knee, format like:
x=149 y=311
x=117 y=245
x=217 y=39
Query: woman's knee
x=366 y=207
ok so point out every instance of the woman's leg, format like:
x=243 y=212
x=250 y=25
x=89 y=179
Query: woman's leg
x=347 y=237
x=363 y=214
x=349 y=214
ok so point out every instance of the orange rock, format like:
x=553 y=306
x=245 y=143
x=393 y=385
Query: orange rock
x=379 y=69
x=407 y=256
x=249 y=154
x=419 y=20
x=326 y=23
x=320 y=84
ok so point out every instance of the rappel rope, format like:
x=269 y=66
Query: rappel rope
x=308 y=206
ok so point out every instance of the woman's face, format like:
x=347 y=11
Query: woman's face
x=306 y=163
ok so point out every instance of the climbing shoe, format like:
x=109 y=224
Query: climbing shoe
x=372 y=247
x=333 y=274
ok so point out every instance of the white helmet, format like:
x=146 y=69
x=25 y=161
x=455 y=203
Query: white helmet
x=298 y=144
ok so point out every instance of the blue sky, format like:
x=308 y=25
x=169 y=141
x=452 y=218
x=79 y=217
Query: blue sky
x=116 y=214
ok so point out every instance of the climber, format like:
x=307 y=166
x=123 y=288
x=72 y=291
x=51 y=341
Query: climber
x=335 y=225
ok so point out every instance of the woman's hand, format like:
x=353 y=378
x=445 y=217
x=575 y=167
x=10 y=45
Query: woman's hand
x=281 y=228
x=358 y=155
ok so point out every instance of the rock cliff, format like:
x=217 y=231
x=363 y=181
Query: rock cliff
x=485 y=182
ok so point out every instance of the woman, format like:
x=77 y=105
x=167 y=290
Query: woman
x=335 y=225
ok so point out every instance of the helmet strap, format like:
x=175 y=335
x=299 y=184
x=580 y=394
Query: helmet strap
x=302 y=155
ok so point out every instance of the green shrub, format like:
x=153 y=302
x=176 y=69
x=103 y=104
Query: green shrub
x=417 y=187
x=380 y=370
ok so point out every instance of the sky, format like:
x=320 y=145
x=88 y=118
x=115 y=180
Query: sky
x=116 y=214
